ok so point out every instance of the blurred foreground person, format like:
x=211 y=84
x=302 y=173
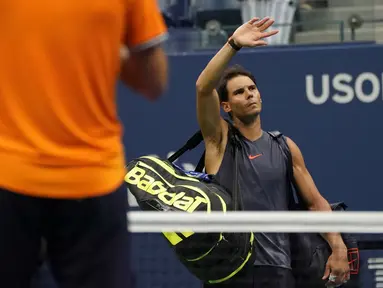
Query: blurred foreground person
x=61 y=152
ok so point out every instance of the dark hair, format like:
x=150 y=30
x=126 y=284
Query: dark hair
x=229 y=74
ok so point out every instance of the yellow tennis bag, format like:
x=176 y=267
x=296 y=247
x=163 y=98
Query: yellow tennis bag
x=159 y=185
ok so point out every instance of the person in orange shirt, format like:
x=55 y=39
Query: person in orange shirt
x=61 y=152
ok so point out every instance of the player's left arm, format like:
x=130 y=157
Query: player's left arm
x=338 y=262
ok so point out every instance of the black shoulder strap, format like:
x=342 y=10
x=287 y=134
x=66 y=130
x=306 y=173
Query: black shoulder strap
x=193 y=142
x=278 y=136
x=295 y=197
x=201 y=163
x=275 y=134
x=234 y=138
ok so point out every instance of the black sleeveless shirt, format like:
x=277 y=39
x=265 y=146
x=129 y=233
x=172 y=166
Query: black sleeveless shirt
x=263 y=186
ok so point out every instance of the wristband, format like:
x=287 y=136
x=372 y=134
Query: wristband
x=233 y=45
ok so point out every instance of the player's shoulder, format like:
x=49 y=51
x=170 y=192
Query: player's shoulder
x=142 y=35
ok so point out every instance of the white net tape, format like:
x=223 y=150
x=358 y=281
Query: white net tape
x=302 y=221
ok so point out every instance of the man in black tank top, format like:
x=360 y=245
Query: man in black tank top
x=262 y=171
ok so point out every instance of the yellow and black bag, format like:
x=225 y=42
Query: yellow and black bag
x=159 y=185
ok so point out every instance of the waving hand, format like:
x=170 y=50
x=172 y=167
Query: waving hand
x=252 y=33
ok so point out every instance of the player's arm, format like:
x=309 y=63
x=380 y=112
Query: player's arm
x=208 y=107
x=145 y=71
x=316 y=202
x=144 y=63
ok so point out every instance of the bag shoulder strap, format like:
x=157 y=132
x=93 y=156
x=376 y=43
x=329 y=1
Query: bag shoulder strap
x=275 y=134
x=190 y=144
x=233 y=137
x=201 y=163
x=295 y=197
x=281 y=140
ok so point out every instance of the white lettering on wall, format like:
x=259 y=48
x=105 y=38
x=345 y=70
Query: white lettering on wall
x=345 y=88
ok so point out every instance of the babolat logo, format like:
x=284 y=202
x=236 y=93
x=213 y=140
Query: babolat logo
x=138 y=177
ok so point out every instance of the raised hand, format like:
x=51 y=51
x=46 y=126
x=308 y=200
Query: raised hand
x=250 y=34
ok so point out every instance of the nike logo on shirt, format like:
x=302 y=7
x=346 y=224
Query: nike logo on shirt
x=251 y=157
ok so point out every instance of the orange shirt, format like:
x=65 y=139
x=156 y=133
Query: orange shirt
x=60 y=135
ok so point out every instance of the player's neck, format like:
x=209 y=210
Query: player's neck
x=251 y=131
